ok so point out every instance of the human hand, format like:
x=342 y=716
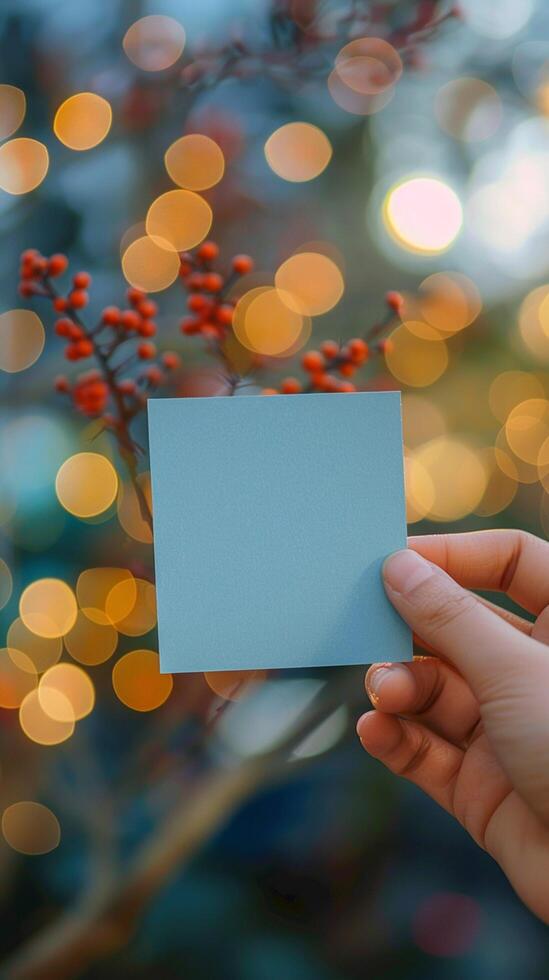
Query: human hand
x=470 y=725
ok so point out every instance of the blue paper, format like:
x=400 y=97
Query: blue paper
x=272 y=518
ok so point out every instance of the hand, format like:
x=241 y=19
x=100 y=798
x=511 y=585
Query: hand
x=470 y=725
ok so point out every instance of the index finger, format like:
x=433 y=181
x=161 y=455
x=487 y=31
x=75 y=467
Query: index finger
x=504 y=560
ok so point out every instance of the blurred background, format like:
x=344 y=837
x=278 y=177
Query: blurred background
x=207 y=825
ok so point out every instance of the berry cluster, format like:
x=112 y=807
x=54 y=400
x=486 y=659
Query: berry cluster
x=92 y=391
x=211 y=311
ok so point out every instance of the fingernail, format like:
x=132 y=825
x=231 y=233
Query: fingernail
x=377 y=678
x=405 y=570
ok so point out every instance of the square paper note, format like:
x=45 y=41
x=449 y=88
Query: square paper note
x=272 y=518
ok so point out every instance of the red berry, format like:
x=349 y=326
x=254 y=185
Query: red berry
x=330 y=349
x=63 y=327
x=185 y=268
x=146 y=351
x=154 y=375
x=347 y=369
x=111 y=316
x=29 y=254
x=386 y=346
x=130 y=320
x=61 y=384
x=26 y=289
x=394 y=300
x=81 y=280
x=78 y=299
x=198 y=303
x=212 y=282
x=195 y=282
x=57 y=264
x=243 y=264
x=208 y=251
x=39 y=265
x=224 y=314
x=76 y=332
x=135 y=296
x=72 y=353
x=347 y=386
x=358 y=350
x=127 y=386
x=171 y=360
x=270 y=391
x=85 y=347
x=290 y=386
x=189 y=325
x=210 y=331
x=147 y=328
x=147 y=308
x=313 y=361
x=60 y=304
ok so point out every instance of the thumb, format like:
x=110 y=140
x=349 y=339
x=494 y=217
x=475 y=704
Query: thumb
x=507 y=671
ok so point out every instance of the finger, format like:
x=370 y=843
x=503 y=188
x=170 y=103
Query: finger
x=507 y=671
x=503 y=560
x=430 y=691
x=524 y=625
x=412 y=751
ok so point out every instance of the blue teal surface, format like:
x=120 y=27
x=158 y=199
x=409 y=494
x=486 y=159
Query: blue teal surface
x=272 y=518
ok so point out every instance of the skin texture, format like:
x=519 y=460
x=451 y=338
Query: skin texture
x=469 y=724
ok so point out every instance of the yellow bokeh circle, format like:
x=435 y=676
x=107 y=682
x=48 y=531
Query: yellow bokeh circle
x=149 y=264
x=66 y=693
x=86 y=484
x=48 y=607
x=13 y=105
x=195 y=162
x=311 y=282
x=155 y=42
x=30 y=828
x=138 y=683
x=83 y=121
x=298 y=151
x=416 y=360
x=180 y=218
x=24 y=163
x=22 y=339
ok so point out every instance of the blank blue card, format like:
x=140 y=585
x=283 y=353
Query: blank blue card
x=272 y=518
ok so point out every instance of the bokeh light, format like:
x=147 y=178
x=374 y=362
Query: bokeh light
x=457 y=474
x=468 y=109
x=501 y=487
x=17 y=677
x=89 y=642
x=511 y=387
x=40 y=652
x=129 y=509
x=417 y=356
x=6 y=583
x=95 y=586
x=423 y=214
x=497 y=21
x=13 y=105
x=233 y=685
x=298 y=151
x=365 y=75
x=534 y=323
x=30 y=828
x=24 y=163
x=154 y=43
x=420 y=489
x=22 y=339
x=131 y=606
x=312 y=283
x=82 y=121
x=448 y=301
x=66 y=693
x=149 y=265
x=527 y=428
x=138 y=683
x=39 y=726
x=422 y=420
x=195 y=162
x=86 y=484
x=264 y=322
x=48 y=607
x=181 y=218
